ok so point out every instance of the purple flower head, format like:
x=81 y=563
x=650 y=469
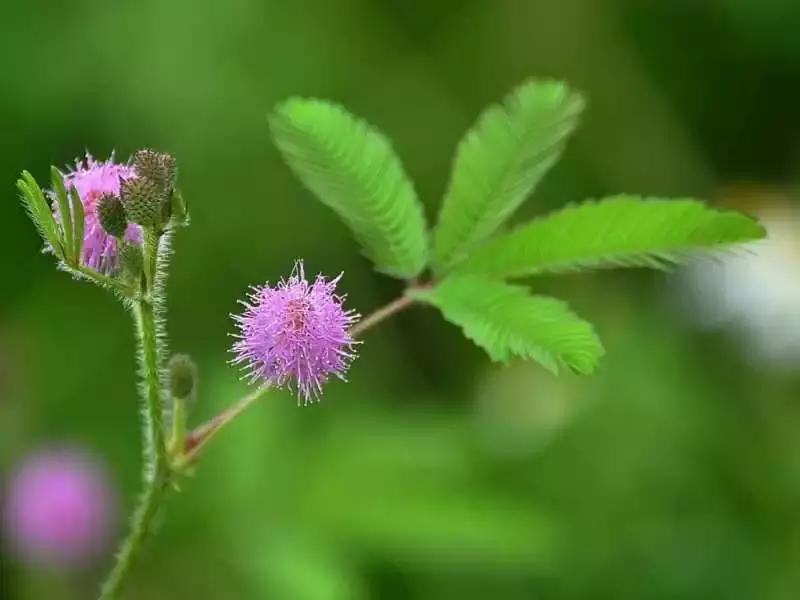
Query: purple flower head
x=59 y=509
x=295 y=334
x=92 y=179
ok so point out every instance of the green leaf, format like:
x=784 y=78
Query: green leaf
x=499 y=162
x=40 y=213
x=620 y=231
x=352 y=168
x=65 y=214
x=78 y=223
x=505 y=320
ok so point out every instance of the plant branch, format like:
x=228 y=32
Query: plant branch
x=102 y=280
x=156 y=466
x=150 y=252
x=381 y=314
x=198 y=438
x=141 y=526
x=155 y=445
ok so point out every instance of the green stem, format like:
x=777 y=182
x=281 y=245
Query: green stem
x=178 y=435
x=150 y=252
x=102 y=280
x=155 y=445
x=381 y=314
x=156 y=467
x=141 y=525
x=197 y=439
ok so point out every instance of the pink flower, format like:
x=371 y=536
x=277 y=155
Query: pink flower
x=59 y=509
x=295 y=333
x=93 y=179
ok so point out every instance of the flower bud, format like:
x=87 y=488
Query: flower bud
x=182 y=376
x=182 y=387
x=111 y=215
x=131 y=259
x=156 y=166
x=143 y=201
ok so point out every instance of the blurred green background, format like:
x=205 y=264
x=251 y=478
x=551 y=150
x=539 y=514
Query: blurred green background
x=672 y=473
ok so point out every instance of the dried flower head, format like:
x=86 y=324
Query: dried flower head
x=295 y=334
x=94 y=179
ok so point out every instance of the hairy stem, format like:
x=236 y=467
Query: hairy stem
x=153 y=431
x=141 y=525
x=150 y=252
x=102 y=280
x=381 y=314
x=156 y=467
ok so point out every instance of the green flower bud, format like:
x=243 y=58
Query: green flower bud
x=131 y=258
x=182 y=376
x=143 y=201
x=156 y=166
x=183 y=387
x=111 y=215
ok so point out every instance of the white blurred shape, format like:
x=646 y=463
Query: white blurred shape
x=754 y=292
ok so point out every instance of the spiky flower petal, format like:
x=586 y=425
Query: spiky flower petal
x=295 y=334
x=94 y=179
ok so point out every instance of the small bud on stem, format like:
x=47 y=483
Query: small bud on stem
x=182 y=376
x=183 y=387
x=132 y=260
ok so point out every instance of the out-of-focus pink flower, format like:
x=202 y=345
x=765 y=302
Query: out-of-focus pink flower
x=295 y=334
x=59 y=509
x=93 y=179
